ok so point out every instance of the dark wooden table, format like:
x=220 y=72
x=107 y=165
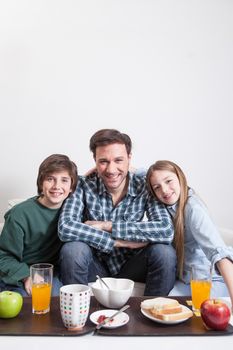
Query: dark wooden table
x=28 y=324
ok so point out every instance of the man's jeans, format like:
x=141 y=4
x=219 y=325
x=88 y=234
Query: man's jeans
x=154 y=265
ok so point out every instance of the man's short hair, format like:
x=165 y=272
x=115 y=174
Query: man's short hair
x=57 y=163
x=105 y=137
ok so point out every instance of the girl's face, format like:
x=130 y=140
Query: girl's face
x=166 y=186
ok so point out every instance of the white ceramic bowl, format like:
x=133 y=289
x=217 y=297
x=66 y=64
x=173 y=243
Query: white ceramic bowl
x=120 y=291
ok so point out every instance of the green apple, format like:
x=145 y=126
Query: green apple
x=10 y=304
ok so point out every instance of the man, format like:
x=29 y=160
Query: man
x=102 y=223
x=29 y=234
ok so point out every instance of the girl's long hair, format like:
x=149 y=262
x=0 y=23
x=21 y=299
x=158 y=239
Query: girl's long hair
x=178 y=220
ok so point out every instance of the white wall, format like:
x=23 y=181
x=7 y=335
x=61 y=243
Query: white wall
x=160 y=71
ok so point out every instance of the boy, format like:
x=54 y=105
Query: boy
x=29 y=234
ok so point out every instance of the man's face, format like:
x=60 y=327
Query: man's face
x=112 y=164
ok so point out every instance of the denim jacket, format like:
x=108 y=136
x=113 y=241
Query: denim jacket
x=203 y=244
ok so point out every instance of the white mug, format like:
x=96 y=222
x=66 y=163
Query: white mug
x=74 y=305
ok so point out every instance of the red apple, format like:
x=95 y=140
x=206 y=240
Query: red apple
x=215 y=314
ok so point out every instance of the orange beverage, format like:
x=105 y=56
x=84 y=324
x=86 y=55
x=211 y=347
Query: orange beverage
x=42 y=278
x=200 y=292
x=41 y=294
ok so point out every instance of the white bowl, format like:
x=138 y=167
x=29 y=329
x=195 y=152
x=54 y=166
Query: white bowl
x=120 y=291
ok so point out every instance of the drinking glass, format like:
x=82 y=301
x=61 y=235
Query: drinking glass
x=200 y=286
x=41 y=279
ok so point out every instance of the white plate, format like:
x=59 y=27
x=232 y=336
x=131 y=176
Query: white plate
x=151 y=317
x=118 y=321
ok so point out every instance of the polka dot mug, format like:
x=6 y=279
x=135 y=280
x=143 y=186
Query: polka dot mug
x=74 y=305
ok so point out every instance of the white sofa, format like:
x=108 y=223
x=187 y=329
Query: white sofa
x=227 y=235
x=11 y=203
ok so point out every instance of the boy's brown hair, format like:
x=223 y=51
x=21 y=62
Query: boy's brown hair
x=57 y=163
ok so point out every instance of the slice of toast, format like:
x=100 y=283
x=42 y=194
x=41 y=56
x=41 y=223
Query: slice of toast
x=167 y=310
x=184 y=314
x=159 y=303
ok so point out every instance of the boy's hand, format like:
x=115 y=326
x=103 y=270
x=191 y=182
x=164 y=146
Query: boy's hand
x=28 y=285
x=91 y=171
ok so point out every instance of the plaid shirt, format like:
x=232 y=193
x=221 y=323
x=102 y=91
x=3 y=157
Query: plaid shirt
x=91 y=201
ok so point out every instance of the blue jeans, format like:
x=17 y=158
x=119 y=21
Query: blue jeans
x=5 y=286
x=155 y=265
x=55 y=289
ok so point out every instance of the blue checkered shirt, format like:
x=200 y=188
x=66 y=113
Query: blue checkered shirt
x=91 y=201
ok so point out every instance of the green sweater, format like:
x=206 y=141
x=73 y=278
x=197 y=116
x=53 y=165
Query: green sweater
x=29 y=236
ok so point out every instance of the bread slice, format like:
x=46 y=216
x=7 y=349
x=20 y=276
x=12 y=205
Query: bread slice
x=160 y=303
x=184 y=314
x=168 y=310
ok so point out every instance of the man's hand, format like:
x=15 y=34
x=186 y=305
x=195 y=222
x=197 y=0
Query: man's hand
x=28 y=285
x=129 y=244
x=100 y=225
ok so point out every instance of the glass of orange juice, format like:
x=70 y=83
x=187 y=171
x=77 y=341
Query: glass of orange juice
x=41 y=279
x=200 y=286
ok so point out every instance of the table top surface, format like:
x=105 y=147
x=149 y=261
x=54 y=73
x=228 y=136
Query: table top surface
x=88 y=340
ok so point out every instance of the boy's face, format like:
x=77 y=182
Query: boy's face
x=55 y=189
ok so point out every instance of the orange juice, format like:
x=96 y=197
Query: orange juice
x=200 y=292
x=41 y=294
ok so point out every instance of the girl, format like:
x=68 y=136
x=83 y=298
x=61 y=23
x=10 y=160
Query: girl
x=197 y=241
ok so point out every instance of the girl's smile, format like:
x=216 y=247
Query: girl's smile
x=166 y=186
